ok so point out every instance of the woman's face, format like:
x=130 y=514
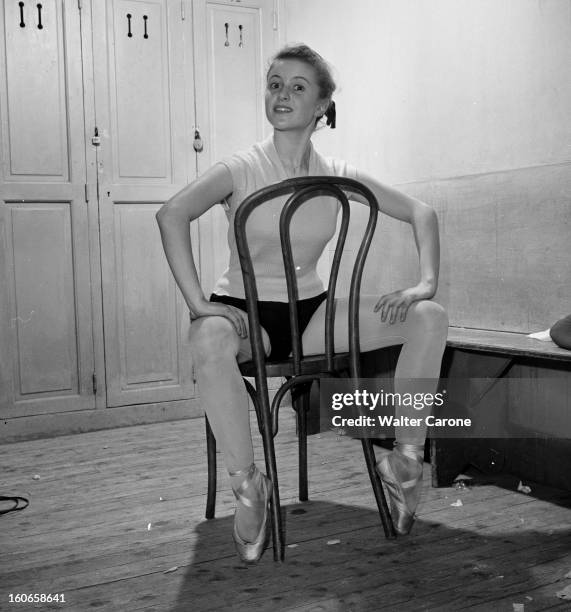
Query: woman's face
x=293 y=100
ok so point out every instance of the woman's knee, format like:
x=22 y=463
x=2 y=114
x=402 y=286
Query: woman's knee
x=431 y=316
x=212 y=338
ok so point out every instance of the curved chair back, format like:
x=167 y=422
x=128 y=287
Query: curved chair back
x=302 y=190
x=299 y=370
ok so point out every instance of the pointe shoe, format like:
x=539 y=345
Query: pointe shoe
x=251 y=552
x=402 y=516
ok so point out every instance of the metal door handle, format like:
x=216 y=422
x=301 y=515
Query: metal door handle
x=197 y=143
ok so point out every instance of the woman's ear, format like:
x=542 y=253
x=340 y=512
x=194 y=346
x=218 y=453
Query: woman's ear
x=322 y=108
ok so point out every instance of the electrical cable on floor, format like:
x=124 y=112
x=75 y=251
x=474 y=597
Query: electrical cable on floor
x=16 y=499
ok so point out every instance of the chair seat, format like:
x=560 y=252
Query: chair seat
x=313 y=364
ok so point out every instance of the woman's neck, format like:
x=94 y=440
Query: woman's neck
x=293 y=150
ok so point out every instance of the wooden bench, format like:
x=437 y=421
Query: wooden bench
x=491 y=355
x=509 y=344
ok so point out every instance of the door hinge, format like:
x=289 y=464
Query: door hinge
x=94 y=382
x=86 y=193
x=275 y=20
x=79 y=5
x=182 y=10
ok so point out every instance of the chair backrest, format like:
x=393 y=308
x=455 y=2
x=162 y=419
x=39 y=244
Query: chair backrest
x=302 y=190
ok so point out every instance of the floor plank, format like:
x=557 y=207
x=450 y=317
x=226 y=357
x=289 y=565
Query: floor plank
x=112 y=512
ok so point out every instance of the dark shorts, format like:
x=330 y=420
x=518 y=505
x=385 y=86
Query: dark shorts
x=274 y=318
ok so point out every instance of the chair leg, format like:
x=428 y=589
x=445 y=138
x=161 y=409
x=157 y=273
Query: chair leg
x=266 y=431
x=278 y=536
x=261 y=403
x=254 y=397
x=211 y=455
x=301 y=407
x=378 y=489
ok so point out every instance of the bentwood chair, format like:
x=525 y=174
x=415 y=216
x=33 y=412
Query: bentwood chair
x=298 y=370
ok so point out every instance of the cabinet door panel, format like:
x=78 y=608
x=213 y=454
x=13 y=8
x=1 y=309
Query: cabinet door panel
x=46 y=335
x=143 y=103
x=140 y=120
x=149 y=327
x=35 y=147
x=41 y=260
x=230 y=99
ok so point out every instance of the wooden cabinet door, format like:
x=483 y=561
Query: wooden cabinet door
x=46 y=336
x=232 y=44
x=144 y=108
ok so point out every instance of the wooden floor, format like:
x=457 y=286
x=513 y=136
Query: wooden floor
x=116 y=523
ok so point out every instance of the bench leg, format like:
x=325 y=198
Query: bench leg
x=449 y=457
x=447 y=460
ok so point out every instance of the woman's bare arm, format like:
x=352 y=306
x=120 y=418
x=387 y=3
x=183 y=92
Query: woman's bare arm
x=174 y=222
x=424 y=224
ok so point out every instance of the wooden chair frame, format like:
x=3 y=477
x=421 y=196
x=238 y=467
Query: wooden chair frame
x=299 y=370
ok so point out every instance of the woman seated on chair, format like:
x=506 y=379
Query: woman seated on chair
x=298 y=97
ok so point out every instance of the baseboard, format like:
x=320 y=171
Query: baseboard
x=67 y=423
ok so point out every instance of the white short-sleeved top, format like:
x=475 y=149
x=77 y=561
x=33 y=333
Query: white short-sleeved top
x=313 y=225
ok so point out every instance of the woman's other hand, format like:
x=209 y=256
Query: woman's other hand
x=394 y=306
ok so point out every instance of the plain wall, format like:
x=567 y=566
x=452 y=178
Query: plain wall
x=465 y=104
x=444 y=88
